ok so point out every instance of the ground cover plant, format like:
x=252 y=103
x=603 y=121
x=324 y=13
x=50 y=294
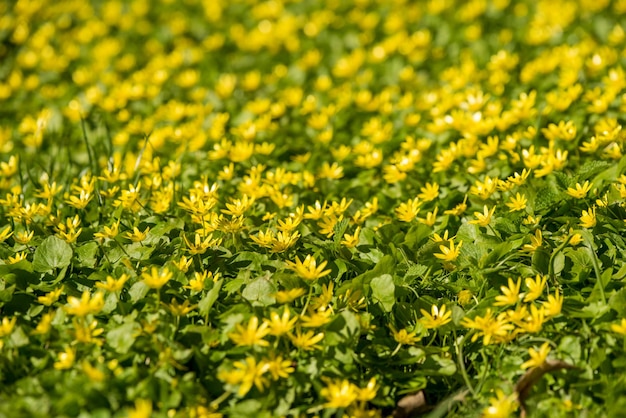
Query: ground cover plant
x=329 y=208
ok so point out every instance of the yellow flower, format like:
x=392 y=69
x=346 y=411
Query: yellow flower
x=308 y=269
x=317 y=318
x=536 y=241
x=93 y=373
x=580 y=191
x=502 y=406
x=287 y=296
x=279 y=367
x=531 y=220
x=449 y=254
x=339 y=393
x=459 y=209
x=23 y=237
x=264 y=239
x=436 y=318
x=429 y=192
x=534 y=321
x=315 y=212
x=519 y=179
x=183 y=263
x=535 y=287
x=404 y=337
x=50 y=297
x=485 y=188
x=331 y=172
x=438 y=238
x=392 y=174
x=43 y=327
x=200 y=244
x=575 y=239
x=510 y=295
x=306 y=341
x=588 y=218
x=7 y=326
x=49 y=190
x=325 y=298
x=408 y=210
x=180 y=309
x=430 y=219
x=489 y=327
x=85 y=305
x=281 y=324
x=252 y=334
x=554 y=304
x=199 y=279
x=5 y=233
x=464 y=297
x=517 y=203
x=327 y=224
x=284 y=241
x=368 y=393
x=537 y=358
x=350 y=241
x=137 y=235
x=246 y=374
x=109 y=232
x=113 y=285
x=17 y=257
x=65 y=359
x=85 y=332
x=619 y=328
x=483 y=219
x=156 y=279
x=142 y=409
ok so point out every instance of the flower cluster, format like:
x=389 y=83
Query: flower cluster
x=310 y=207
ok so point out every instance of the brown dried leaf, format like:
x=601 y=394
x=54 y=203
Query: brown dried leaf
x=411 y=405
x=532 y=376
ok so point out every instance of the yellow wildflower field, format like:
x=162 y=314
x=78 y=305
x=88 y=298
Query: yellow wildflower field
x=331 y=208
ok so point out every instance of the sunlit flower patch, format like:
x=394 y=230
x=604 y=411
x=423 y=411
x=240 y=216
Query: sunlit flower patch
x=357 y=208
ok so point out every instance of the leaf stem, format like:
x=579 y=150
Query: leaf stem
x=553 y=256
x=596 y=267
x=458 y=346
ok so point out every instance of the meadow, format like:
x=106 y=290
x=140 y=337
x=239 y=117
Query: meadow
x=330 y=208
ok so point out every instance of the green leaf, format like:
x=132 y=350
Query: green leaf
x=249 y=408
x=209 y=299
x=541 y=261
x=383 y=291
x=138 y=291
x=51 y=254
x=6 y=294
x=558 y=263
x=546 y=198
x=617 y=302
x=260 y=291
x=346 y=325
x=415 y=235
x=591 y=168
x=86 y=254
x=19 y=338
x=122 y=337
x=234 y=285
x=339 y=230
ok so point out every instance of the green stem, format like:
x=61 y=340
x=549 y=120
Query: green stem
x=483 y=375
x=216 y=403
x=554 y=254
x=459 y=356
x=495 y=233
x=395 y=351
x=596 y=267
